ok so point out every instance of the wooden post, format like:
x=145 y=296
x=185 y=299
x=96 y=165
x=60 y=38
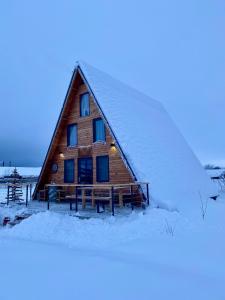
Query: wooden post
x=27 y=186
x=30 y=191
x=8 y=195
x=76 y=200
x=92 y=198
x=70 y=203
x=83 y=198
x=147 y=186
x=112 y=199
x=132 y=197
x=120 y=198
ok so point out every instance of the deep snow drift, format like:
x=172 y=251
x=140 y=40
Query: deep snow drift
x=155 y=254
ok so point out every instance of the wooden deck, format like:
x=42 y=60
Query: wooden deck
x=97 y=195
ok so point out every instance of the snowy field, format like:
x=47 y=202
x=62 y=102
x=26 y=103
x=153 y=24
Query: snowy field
x=24 y=171
x=154 y=254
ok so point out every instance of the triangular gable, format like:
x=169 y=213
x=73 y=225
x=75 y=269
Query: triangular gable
x=77 y=72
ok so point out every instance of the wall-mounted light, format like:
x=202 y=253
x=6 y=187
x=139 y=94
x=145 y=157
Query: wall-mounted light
x=113 y=147
x=61 y=155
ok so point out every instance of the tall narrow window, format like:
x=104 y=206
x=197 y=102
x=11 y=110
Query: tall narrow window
x=69 y=171
x=71 y=135
x=102 y=168
x=84 y=105
x=98 y=130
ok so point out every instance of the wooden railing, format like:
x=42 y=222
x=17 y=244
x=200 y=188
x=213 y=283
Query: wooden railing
x=97 y=195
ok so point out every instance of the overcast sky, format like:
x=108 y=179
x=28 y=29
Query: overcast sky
x=173 y=50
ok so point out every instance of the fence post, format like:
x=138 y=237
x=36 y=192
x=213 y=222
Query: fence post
x=147 y=186
x=7 y=194
x=30 y=191
x=112 y=199
x=27 y=186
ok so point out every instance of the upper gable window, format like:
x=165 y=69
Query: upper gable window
x=71 y=135
x=84 y=105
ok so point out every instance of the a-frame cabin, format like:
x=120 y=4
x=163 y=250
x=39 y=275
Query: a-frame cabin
x=111 y=134
x=83 y=150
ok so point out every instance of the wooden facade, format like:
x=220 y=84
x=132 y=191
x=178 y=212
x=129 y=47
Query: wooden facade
x=119 y=170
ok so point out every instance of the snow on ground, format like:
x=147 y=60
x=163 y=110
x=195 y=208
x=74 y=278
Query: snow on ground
x=23 y=171
x=154 y=254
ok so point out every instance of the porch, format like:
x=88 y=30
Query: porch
x=99 y=197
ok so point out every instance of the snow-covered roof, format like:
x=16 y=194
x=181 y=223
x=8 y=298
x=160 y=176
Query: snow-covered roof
x=155 y=149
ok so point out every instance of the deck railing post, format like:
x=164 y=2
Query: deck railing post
x=132 y=197
x=112 y=199
x=76 y=200
x=71 y=203
x=27 y=186
x=147 y=187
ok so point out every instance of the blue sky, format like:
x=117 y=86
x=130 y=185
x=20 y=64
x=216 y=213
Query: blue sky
x=173 y=51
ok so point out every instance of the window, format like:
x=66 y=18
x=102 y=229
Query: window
x=69 y=170
x=72 y=135
x=84 y=105
x=85 y=170
x=102 y=168
x=98 y=130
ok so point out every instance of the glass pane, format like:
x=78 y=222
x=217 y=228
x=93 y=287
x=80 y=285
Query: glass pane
x=99 y=128
x=84 y=105
x=102 y=168
x=72 y=135
x=69 y=171
x=85 y=170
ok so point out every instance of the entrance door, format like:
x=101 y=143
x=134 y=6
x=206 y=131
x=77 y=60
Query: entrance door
x=85 y=170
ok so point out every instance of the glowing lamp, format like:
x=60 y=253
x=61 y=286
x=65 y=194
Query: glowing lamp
x=61 y=155
x=113 y=147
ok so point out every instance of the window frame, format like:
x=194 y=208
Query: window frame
x=94 y=130
x=73 y=179
x=81 y=95
x=67 y=135
x=97 y=168
x=79 y=168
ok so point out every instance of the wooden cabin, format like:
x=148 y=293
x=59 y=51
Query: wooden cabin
x=85 y=153
x=109 y=142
